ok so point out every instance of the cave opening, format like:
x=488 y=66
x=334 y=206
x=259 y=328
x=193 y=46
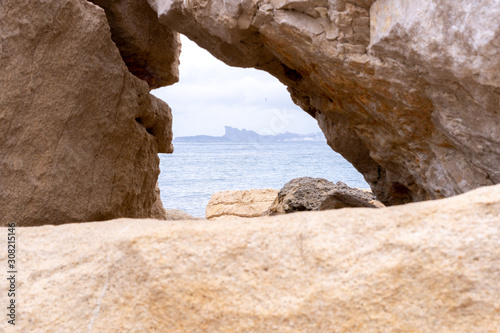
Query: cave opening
x=232 y=130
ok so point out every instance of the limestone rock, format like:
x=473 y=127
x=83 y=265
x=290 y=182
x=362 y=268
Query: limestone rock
x=408 y=92
x=243 y=204
x=424 y=267
x=306 y=193
x=79 y=133
x=150 y=50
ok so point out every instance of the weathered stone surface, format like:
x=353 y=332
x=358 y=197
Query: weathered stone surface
x=425 y=267
x=342 y=196
x=79 y=133
x=150 y=50
x=239 y=204
x=408 y=92
x=301 y=194
x=306 y=193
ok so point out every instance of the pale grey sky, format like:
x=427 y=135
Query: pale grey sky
x=210 y=95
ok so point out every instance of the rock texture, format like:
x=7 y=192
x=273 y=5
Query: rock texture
x=306 y=193
x=150 y=50
x=408 y=92
x=79 y=133
x=239 y=204
x=425 y=267
x=343 y=196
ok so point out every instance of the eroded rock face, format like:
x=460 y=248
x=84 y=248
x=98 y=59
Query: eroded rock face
x=239 y=204
x=150 y=50
x=79 y=133
x=408 y=92
x=424 y=267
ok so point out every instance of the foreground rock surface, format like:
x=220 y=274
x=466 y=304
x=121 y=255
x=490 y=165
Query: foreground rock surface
x=407 y=91
x=234 y=204
x=306 y=194
x=79 y=133
x=426 y=267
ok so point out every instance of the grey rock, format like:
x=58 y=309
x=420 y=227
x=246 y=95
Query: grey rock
x=342 y=196
x=307 y=194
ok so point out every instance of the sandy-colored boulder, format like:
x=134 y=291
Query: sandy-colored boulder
x=79 y=133
x=424 y=267
x=407 y=91
x=239 y=204
x=150 y=50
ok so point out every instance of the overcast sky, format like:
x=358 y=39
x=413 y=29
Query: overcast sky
x=211 y=95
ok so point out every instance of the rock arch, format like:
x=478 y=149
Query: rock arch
x=413 y=108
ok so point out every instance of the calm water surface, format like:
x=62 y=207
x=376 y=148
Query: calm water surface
x=196 y=170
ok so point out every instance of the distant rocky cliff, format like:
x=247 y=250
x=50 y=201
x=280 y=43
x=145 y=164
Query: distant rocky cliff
x=236 y=135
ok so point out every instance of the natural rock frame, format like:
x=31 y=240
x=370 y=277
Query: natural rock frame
x=409 y=93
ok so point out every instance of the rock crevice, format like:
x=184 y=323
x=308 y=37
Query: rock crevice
x=150 y=50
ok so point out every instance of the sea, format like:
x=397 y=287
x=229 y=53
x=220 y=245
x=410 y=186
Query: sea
x=196 y=170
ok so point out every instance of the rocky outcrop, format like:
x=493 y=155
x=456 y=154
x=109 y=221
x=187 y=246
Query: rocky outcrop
x=79 y=133
x=239 y=204
x=408 y=92
x=425 y=267
x=150 y=50
x=306 y=193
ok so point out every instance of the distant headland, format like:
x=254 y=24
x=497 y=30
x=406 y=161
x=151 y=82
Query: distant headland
x=236 y=135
